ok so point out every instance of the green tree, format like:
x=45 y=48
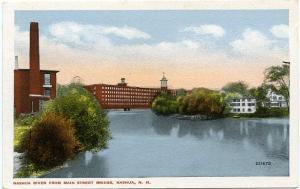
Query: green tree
x=165 y=104
x=236 y=87
x=90 y=121
x=278 y=77
x=260 y=94
x=202 y=101
x=232 y=95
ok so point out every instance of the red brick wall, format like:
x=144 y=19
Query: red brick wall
x=34 y=60
x=22 y=100
x=119 y=97
x=21 y=92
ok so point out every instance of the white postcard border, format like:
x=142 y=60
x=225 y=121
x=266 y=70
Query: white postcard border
x=162 y=182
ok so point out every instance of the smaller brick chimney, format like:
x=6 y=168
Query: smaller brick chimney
x=16 y=63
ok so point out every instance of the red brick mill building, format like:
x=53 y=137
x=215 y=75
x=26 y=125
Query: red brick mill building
x=33 y=86
x=122 y=96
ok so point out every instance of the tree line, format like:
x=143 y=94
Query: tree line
x=213 y=103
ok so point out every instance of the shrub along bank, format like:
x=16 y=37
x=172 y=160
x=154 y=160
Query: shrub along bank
x=72 y=122
x=201 y=101
x=264 y=112
x=51 y=141
x=165 y=104
x=90 y=121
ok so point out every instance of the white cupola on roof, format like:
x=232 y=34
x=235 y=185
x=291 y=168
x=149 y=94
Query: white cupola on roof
x=164 y=82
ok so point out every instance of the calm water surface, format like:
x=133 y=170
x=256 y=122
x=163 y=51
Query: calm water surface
x=146 y=145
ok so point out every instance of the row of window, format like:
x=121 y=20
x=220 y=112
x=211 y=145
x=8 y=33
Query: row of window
x=241 y=110
x=275 y=98
x=122 y=104
x=243 y=104
x=126 y=100
x=129 y=93
x=126 y=97
x=242 y=100
x=115 y=88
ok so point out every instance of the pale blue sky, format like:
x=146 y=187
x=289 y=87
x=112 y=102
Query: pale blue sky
x=162 y=25
x=196 y=48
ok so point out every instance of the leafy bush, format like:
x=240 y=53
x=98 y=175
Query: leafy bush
x=263 y=112
x=279 y=112
x=90 y=121
x=271 y=112
x=27 y=119
x=50 y=142
x=21 y=126
x=165 y=104
x=202 y=101
x=20 y=132
x=239 y=87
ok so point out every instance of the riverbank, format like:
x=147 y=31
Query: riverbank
x=260 y=113
x=24 y=170
x=195 y=117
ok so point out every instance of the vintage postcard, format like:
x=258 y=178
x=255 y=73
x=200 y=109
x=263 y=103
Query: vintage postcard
x=143 y=94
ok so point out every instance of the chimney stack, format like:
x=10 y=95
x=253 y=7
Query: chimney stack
x=16 y=63
x=34 y=59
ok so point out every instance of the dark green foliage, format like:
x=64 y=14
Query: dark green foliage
x=239 y=87
x=278 y=77
x=50 y=142
x=90 y=121
x=165 y=104
x=21 y=128
x=202 y=101
x=199 y=101
x=26 y=120
x=263 y=112
x=260 y=94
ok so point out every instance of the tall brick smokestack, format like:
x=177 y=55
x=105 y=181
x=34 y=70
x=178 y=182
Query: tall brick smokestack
x=34 y=59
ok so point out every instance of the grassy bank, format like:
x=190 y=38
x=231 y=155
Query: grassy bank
x=265 y=113
x=19 y=133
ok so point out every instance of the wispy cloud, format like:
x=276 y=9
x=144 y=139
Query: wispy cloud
x=207 y=29
x=280 y=31
x=254 y=43
x=72 y=32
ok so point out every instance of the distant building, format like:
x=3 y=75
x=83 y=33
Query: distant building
x=242 y=105
x=122 y=96
x=33 y=86
x=275 y=100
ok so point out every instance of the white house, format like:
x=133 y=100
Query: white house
x=242 y=105
x=275 y=100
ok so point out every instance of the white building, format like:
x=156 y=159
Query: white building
x=242 y=105
x=275 y=100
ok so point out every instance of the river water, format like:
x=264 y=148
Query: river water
x=146 y=145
